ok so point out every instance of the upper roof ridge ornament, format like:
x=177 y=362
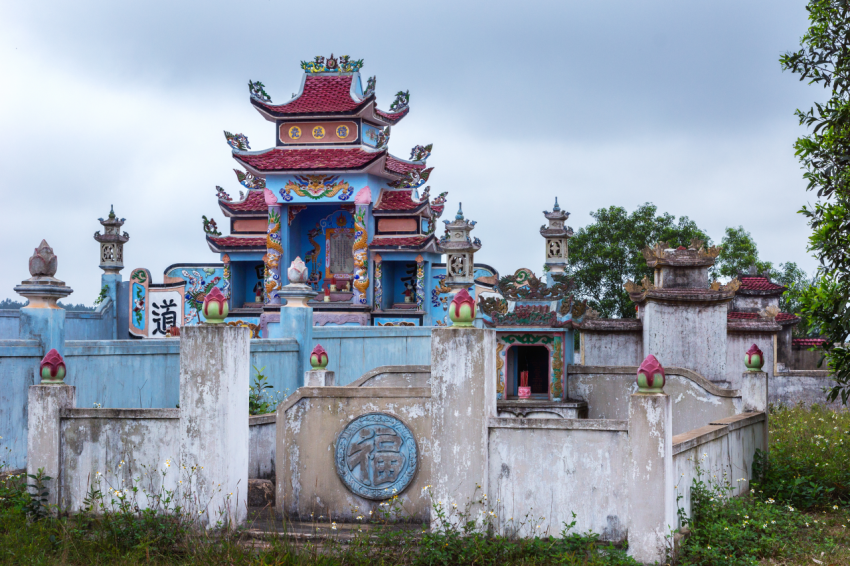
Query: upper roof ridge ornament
x=332 y=65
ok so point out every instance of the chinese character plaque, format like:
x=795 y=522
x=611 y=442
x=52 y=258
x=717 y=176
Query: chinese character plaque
x=376 y=456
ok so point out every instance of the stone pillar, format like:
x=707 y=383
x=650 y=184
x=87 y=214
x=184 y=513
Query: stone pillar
x=296 y=317
x=754 y=393
x=42 y=319
x=319 y=378
x=463 y=398
x=650 y=481
x=214 y=373
x=44 y=403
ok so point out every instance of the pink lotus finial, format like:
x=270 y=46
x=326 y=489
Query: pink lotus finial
x=650 y=376
x=462 y=309
x=754 y=359
x=363 y=196
x=52 y=368
x=318 y=358
x=215 y=306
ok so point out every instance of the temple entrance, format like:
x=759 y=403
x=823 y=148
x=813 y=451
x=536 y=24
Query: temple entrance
x=535 y=360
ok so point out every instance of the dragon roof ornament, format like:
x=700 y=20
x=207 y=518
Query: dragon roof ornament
x=523 y=285
x=344 y=64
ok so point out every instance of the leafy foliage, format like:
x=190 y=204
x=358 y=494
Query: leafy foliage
x=260 y=399
x=738 y=252
x=607 y=253
x=824 y=59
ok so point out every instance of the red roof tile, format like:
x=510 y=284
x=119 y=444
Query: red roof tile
x=255 y=202
x=400 y=166
x=392 y=116
x=749 y=283
x=234 y=242
x=808 y=342
x=383 y=241
x=781 y=317
x=322 y=94
x=397 y=200
x=305 y=159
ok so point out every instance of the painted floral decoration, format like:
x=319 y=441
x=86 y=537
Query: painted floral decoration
x=52 y=368
x=462 y=309
x=754 y=358
x=215 y=306
x=650 y=376
x=318 y=358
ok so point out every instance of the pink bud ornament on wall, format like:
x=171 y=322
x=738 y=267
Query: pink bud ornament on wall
x=754 y=359
x=462 y=309
x=650 y=376
x=52 y=369
x=318 y=358
x=215 y=306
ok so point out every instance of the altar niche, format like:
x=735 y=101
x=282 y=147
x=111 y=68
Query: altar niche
x=534 y=360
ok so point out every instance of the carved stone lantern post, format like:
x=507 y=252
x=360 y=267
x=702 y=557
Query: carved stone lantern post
x=557 y=238
x=459 y=249
x=111 y=243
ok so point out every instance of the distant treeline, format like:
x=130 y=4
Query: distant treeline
x=10 y=304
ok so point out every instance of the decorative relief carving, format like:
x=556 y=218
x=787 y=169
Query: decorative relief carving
x=769 y=312
x=376 y=456
x=237 y=141
x=500 y=365
x=557 y=369
x=524 y=285
x=317 y=187
x=249 y=181
x=527 y=339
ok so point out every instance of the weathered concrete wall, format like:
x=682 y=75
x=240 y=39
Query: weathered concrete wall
x=18 y=365
x=806 y=387
x=691 y=336
x=261 y=446
x=96 y=441
x=752 y=303
x=395 y=376
x=612 y=349
x=696 y=401
x=97 y=325
x=806 y=359
x=541 y=470
x=44 y=436
x=737 y=344
x=723 y=450
x=353 y=351
x=307 y=427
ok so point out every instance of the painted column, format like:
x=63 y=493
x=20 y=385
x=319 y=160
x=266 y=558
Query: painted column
x=42 y=319
x=463 y=398
x=420 y=283
x=652 y=501
x=274 y=251
x=44 y=403
x=362 y=200
x=214 y=381
x=377 y=302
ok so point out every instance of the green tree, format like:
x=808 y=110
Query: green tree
x=824 y=59
x=738 y=252
x=607 y=253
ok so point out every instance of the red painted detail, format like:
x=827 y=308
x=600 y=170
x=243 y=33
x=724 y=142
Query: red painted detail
x=53 y=361
x=254 y=202
x=396 y=200
x=321 y=94
x=754 y=351
x=234 y=242
x=306 y=159
x=759 y=284
x=214 y=296
x=406 y=241
x=396 y=165
x=808 y=342
x=783 y=316
x=681 y=248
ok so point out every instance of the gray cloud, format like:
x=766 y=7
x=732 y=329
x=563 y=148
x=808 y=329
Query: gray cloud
x=680 y=104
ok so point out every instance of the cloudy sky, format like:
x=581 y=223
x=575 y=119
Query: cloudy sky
x=679 y=103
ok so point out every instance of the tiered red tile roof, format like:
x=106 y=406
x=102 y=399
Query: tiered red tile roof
x=254 y=202
x=392 y=116
x=396 y=200
x=394 y=241
x=752 y=283
x=781 y=317
x=234 y=242
x=808 y=342
x=277 y=159
x=322 y=94
x=400 y=166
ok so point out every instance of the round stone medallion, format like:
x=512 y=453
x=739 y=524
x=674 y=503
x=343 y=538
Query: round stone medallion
x=376 y=456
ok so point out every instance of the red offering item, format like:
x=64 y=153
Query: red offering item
x=523 y=391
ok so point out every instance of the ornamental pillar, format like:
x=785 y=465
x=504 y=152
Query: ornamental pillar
x=111 y=243
x=420 y=283
x=379 y=288
x=557 y=238
x=459 y=249
x=274 y=251
x=362 y=200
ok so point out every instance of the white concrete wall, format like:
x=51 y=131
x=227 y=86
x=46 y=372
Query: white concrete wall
x=611 y=348
x=806 y=387
x=696 y=401
x=737 y=344
x=542 y=470
x=691 y=336
x=261 y=446
x=97 y=441
x=726 y=446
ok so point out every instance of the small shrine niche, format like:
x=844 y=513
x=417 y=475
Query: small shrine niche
x=531 y=362
x=557 y=238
